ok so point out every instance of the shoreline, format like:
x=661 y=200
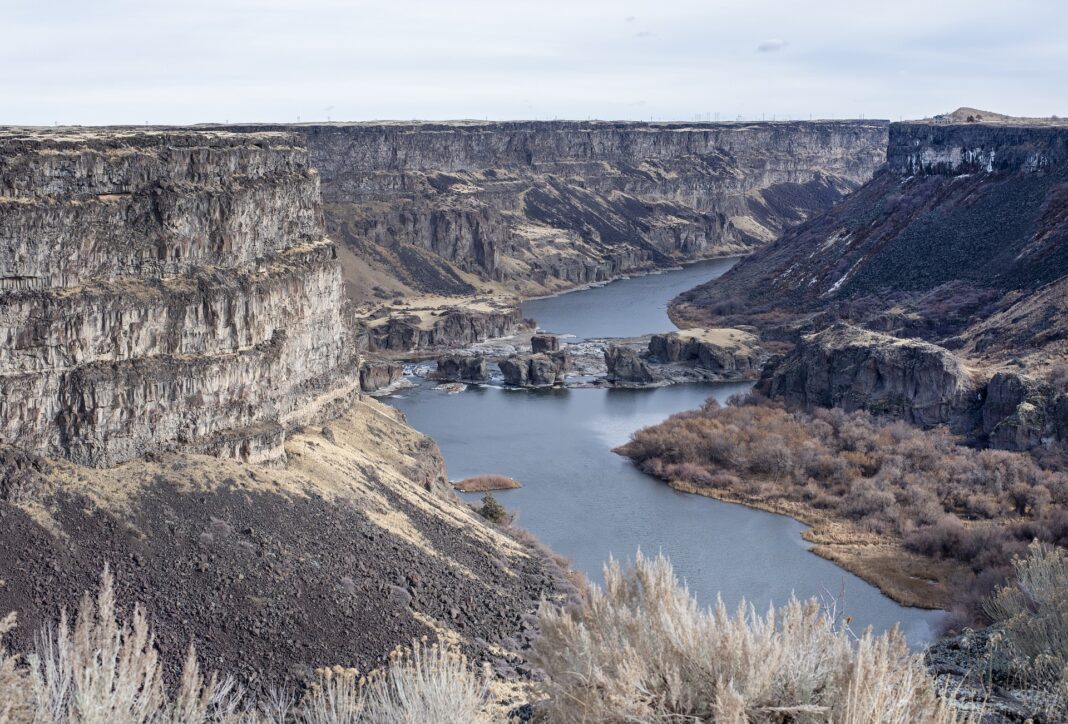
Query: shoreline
x=906 y=578
x=637 y=274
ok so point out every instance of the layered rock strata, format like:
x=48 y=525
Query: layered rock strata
x=163 y=289
x=543 y=206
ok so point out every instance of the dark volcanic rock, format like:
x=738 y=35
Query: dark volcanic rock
x=544 y=343
x=848 y=367
x=626 y=366
x=461 y=368
x=274 y=573
x=546 y=205
x=728 y=352
x=536 y=370
x=375 y=376
x=1023 y=413
x=455 y=328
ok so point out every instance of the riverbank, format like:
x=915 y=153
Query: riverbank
x=907 y=578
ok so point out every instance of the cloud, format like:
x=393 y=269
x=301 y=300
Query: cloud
x=643 y=34
x=629 y=19
x=770 y=46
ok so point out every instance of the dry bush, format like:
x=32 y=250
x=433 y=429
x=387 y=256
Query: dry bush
x=424 y=683
x=104 y=671
x=483 y=483
x=942 y=499
x=641 y=649
x=1032 y=615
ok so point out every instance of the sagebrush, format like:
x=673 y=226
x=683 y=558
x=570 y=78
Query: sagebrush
x=640 y=649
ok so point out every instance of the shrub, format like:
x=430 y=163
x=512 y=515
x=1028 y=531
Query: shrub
x=493 y=511
x=424 y=683
x=942 y=499
x=103 y=670
x=641 y=649
x=1032 y=613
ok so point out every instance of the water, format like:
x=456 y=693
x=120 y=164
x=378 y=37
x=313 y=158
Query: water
x=623 y=308
x=588 y=503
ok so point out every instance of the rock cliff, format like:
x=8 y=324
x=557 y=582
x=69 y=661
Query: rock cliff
x=852 y=368
x=961 y=241
x=543 y=206
x=163 y=289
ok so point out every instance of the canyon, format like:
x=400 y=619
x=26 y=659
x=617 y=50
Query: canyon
x=452 y=217
x=194 y=319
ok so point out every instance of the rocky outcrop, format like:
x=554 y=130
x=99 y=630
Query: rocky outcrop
x=1024 y=413
x=728 y=352
x=852 y=368
x=453 y=327
x=543 y=343
x=626 y=366
x=378 y=376
x=462 y=368
x=543 y=206
x=163 y=289
x=960 y=241
x=535 y=370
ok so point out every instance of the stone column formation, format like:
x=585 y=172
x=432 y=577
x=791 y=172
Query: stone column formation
x=164 y=289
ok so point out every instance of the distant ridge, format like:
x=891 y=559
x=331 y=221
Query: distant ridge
x=964 y=114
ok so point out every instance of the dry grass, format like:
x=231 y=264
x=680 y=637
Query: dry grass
x=424 y=683
x=641 y=649
x=484 y=483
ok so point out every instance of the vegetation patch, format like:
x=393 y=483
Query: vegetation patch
x=483 y=483
x=867 y=485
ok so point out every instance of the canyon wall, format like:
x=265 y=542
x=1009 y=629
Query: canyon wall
x=961 y=241
x=543 y=206
x=164 y=289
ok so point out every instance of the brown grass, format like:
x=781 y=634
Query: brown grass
x=485 y=483
x=909 y=510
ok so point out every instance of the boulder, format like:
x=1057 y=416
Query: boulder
x=516 y=370
x=375 y=376
x=625 y=365
x=541 y=343
x=855 y=369
x=461 y=368
x=535 y=370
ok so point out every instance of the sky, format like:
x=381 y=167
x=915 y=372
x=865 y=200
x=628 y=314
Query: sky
x=97 y=62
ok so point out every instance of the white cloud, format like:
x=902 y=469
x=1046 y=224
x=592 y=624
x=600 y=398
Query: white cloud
x=128 y=61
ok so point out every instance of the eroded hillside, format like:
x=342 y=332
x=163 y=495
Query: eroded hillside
x=961 y=241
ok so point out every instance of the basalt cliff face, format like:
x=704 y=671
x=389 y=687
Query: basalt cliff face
x=544 y=206
x=169 y=293
x=165 y=289
x=961 y=241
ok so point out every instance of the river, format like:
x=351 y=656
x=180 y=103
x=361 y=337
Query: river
x=588 y=503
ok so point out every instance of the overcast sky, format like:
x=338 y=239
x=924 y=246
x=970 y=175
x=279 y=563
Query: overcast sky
x=119 y=61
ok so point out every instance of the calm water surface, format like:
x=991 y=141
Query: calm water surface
x=588 y=503
x=623 y=308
